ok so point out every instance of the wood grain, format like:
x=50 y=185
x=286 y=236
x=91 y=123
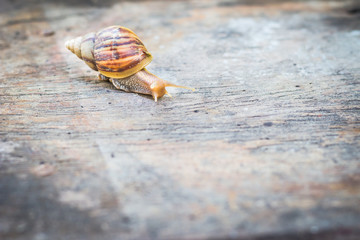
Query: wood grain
x=266 y=148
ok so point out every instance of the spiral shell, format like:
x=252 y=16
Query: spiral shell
x=83 y=47
x=119 y=53
x=115 y=51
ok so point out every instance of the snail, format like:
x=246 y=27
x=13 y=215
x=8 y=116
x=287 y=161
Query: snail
x=120 y=57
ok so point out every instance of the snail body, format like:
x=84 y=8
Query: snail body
x=120 y=57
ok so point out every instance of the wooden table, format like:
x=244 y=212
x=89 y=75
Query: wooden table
x=266 y=148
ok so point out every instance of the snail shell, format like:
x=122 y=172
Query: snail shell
x=83 y=47
x=120 y=57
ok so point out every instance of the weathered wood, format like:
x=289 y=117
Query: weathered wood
x=266 y=148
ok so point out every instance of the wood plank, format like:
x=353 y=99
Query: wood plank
x=266 y=148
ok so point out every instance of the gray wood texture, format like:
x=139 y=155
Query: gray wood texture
x=266 y=148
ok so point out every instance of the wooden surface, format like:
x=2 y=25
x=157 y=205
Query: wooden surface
x=266 y=148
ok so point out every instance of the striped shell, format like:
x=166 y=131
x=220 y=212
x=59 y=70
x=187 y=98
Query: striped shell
x=115 y=51
x=83 y=47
